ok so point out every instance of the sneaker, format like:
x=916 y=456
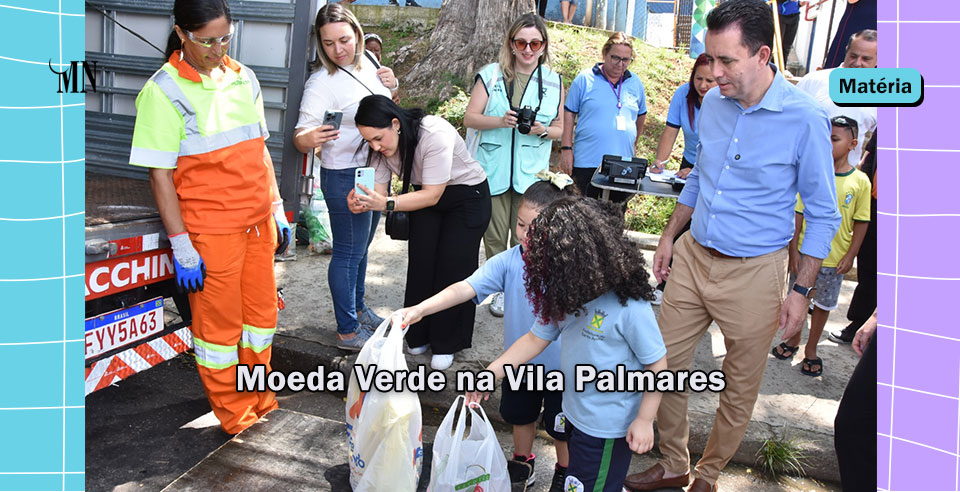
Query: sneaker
x=657 y=297
x=369 y=319
x=412 y=3
x=559 y=473
x=496 y=305
x=417 y=350
x=393 y=3
x=521 y=471
x=440 y=362
x=839 y=337
x=354 y=344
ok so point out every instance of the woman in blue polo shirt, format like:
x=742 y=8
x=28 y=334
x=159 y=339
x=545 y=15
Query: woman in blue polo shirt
x=607 y=105
x=683 y=115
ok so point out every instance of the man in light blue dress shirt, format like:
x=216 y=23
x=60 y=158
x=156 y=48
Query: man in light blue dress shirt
x=762 y=141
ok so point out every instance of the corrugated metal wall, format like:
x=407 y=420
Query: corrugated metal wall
x=266 y=41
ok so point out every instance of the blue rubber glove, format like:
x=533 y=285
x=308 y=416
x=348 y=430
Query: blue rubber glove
x=188 y=264
x=283 y=228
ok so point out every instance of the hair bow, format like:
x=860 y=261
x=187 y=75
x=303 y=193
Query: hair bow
x=560 y=180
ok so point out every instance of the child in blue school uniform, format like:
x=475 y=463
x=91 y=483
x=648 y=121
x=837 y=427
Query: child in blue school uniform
x=590 y=288
x=504 y=273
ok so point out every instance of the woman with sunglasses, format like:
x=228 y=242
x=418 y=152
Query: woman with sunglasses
x=515 y=107
x=344 y=74
x=608 y=107
x=217 y=195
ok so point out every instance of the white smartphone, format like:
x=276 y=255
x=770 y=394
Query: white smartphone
x=363 y=176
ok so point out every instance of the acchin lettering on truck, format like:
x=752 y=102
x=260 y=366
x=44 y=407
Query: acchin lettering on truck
x=119 y=274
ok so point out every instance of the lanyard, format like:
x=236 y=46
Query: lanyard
x=617 y=90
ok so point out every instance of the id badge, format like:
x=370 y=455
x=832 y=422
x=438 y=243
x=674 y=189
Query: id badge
x=621 y=123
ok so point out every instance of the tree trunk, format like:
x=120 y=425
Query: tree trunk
x=588 y=13
x=601 y=13
x=468 y=35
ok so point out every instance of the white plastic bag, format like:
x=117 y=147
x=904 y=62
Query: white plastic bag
x=471 y=463
x=384 y=430
x=318 y=224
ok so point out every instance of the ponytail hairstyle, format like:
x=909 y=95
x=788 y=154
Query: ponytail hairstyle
x=328 y=14
x=192 y=15
x=693 y=97
x=576 y=251
x=379 y=112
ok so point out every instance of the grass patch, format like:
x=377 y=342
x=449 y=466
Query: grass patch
x=781 y=455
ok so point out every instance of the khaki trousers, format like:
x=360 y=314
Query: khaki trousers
x=503 y=223
x=743 y=296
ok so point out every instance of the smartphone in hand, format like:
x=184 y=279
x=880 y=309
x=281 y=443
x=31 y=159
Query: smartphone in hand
x=333 y=119
x=363 y=176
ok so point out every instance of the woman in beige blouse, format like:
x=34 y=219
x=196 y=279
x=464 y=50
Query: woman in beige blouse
x=449 y=210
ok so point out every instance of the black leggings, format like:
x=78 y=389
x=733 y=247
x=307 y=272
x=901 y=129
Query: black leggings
x=443 y=249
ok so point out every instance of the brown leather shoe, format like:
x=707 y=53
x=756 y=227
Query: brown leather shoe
x=652 y=479
x=701 y=485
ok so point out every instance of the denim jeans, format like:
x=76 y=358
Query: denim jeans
x=352 y=234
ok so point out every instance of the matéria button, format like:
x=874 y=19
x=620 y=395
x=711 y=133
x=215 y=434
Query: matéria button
x=876 y=87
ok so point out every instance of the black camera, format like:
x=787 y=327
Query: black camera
x=526 y=117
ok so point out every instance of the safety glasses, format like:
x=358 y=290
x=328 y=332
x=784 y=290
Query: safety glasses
x=534 y=45
x=208 y=42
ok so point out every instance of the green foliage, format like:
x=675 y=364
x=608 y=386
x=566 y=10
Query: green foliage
x=649 y=214
x=453 y=109
x=395 y=37
x=781 y=455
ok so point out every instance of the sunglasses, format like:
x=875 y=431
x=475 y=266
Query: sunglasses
x=845 y=122
x=534 y=45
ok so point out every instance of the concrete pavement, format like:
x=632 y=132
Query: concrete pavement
x=789 y=402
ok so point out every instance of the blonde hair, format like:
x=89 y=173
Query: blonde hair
x=330 y=13
x=507 y=58
x=615 y=39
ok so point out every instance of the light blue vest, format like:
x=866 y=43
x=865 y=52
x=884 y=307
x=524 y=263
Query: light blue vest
x=508 y=156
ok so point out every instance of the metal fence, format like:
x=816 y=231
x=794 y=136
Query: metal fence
x=683 y=10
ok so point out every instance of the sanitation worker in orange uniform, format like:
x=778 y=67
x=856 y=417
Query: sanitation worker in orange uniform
x=200 y=129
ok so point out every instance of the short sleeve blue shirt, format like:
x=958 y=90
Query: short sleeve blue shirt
x=594 y=99
x=678 y=116
x=504 y=273
x=605 y=335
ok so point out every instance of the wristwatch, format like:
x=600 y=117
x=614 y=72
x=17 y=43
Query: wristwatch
x=804 y=291
x=391 y=203
x=545 y=134
x=566 y=147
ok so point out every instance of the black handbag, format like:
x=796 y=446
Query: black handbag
x=398 y=225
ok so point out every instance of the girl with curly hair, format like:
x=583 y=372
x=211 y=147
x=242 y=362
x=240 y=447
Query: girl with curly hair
x=504 y=273
x=589 y=287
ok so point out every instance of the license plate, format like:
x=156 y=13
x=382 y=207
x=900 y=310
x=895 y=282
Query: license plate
x=122 y=327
